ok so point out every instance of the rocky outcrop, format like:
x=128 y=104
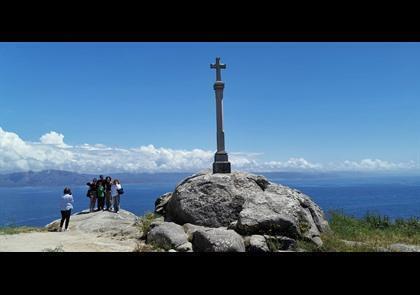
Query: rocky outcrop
x=101 y=231
x=246 y=203
x=103 y=224
x=235 y=212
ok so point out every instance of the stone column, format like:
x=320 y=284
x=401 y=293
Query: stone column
x=221 y=163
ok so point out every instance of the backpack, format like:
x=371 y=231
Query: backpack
x=88 y=193
x=120 y=191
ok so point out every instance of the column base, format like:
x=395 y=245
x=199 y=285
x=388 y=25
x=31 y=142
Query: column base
x=221 y=167
x=221 y=163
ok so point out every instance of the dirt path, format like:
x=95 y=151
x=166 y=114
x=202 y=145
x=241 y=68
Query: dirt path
x=92 y=232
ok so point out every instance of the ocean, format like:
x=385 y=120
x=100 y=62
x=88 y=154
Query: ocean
x=37 y=206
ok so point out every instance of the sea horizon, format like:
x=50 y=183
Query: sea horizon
x=391 y=196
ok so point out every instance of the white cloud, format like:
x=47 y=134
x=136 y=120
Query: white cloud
x=18 y=155
x=53 y=138
x=51 y=152
x=292 y=164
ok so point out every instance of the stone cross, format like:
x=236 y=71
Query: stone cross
x=221 y=163
x=218 y=66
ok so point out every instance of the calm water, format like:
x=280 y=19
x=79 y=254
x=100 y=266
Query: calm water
x=37 y=206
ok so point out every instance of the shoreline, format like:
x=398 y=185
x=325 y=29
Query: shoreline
x=373 y=233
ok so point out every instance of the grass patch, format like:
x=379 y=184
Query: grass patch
x=14 y=230
x=370 y=233
x=273 y=245
x=145 y=221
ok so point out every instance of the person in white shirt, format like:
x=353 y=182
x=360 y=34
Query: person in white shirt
x=66 y=205
x=115 y=192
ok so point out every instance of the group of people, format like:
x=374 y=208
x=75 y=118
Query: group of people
x=105 y=192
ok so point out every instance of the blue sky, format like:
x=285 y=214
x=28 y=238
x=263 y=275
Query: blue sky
x=322 y=102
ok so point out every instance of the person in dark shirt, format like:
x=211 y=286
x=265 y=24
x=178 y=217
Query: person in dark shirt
x=100 y=189
x=108 y=197
x=92 y=194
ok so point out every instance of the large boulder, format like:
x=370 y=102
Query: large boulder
x=217 y=240
x=247 y=203
x=167 y=235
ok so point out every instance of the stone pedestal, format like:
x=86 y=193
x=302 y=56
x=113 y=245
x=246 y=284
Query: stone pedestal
x=221 y=163
x=221 y=167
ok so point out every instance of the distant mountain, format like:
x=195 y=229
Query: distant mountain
x=63 y=178
x=342 y=178
x=42 y=178
x=58 y=177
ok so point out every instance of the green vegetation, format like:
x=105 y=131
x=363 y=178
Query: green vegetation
x=274 y=245
x=146 y=220
x=370 y=233
x=144 y=223
x=13 y=230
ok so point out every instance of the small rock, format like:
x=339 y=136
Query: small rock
x=257 y=243
x=217 y=240
x=167 y=235
x=186 y=247
x=190 y=229
x=404 y=248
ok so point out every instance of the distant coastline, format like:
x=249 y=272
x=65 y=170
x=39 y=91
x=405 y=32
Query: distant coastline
x=60 y=177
